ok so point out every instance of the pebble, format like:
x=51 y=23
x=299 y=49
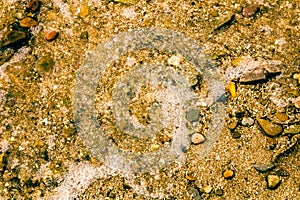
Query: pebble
x=224 y=21
x=282 y=116
x=83 y=10
x=228 y=174
x=273 y=181
x=207 y=189
x=264 y=167
x=50 y=36
x=33 y=5
x=193 y=115
x=297 y=102
x=247 y=121
x=12 y=37
x=175 y=60
x=232 y=125
x=250 y=10
x=219 y=192
x=28 y=22
x=231 y=89
x=257 y=74
x=292 y=130
x=270 y=128
x=45 y=64
x=197 y=138
x=190 y=177
x=236 y=135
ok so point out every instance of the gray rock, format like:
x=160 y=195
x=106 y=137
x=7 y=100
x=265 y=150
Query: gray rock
x=264 y=167
x=193 y=115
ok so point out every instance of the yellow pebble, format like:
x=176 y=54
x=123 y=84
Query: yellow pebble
x=236 y=61
x=231 y=89
x=83 y=11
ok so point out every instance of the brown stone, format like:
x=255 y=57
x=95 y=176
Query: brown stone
x=250 y=10
x=33 y=5
x=282 y=116
x=28 y=22
x=228 y=174
x=52 y=35
x=270 y=128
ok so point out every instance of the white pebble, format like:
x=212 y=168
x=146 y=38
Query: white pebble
x=197 y=138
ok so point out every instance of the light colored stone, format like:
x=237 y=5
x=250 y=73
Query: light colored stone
x=247 y=121
x=273 y=181
x=207 y=189
x=197 y=138
x=175 y=60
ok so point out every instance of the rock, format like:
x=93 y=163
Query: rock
x=232 y=125
x=194 y=193
x=28 y=22
x=175 y=60
x=228 y=174
x=224 y=21
x=247 y=121
x=250 y=10
x=193 y=115
x=191 y=177
x=282 y=116
x=83 y=10
x=273 y=181
x=236 y=135
x=207 y=189
x=12 y=37
x=270 y=128
x=33 y=5
x=52 y=35
x=231 y=89
x=197 y=138
x=292 y=130
x=45 y=64
x=258 y=74
x=219 y=192
x=297 y=102
x=264 y=167
x=127 y=2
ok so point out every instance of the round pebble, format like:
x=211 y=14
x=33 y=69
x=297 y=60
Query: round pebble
x=247 y=121
x=197 y=138
x=273 y=181
x=228 y=174
x=270 y=128
x=52 y=35
x=193 y=115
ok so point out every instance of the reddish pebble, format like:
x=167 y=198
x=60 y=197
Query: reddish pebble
x=52 y=35
x=250 y=10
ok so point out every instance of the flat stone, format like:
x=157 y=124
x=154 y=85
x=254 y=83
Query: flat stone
x=28 y=22
x=228 y=174
x=270 y=128
x=247 y=121
x=193 y=115
x=264 y=167
x=197 y=138
x=273 y=181
x=258 y=74
x=45 y=64
x=12 y=37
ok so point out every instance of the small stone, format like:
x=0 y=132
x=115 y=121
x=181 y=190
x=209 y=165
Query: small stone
x=292 y=130
x=191 y=177
x=175 y=60
x=236 y=135
x=228 y=174
x=225 y=20
x=297 y=102
x=219 y=192
x=250 y=10
x=12 y=37
x=84 y=35
x=207 y=189
x=273 y=181
x=247 y=121
x=197 y=138
x=33 y=5
x=282 y=116
x=257 y=74
x=193 y=115
x=52 y=35
x=231 y=89
x=264 y=167
x=28 y=22
x=45 y=64
x=83 y=10
x=154 y=147
x=232 y=125
x=127 y=2
x=270 y=128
